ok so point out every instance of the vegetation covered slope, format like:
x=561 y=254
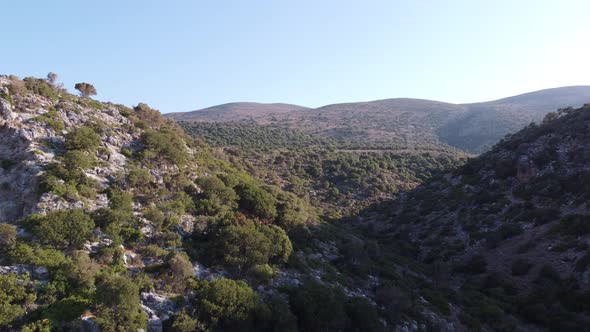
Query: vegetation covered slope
x=111 y=218
x=338 y=180
x=508 y=233
x=410 y=123
x=234 y=112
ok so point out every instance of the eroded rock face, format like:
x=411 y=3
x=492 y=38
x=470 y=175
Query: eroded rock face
x=28 y=144
x=157 y=308
x=18 y=175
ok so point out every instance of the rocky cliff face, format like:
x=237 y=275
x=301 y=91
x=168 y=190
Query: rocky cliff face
x=31 y=137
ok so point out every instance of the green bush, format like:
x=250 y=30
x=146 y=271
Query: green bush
x=163 y=145
x=7 y=237
x=40 y=87
x=262 y=273
x=256 y=201
x=82 y=138
x=118 y=304
x=62 y=228
x=51 y=119
x=227 y=304
x=126 y=152
x=14 y=296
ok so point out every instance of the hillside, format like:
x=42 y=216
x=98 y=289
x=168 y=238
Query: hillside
x=234 y=112
x=508 y=233
x=113 y=219
x=408 y=123
x=339 y=181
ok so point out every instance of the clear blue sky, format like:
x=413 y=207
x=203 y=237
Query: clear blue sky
x=184 y=55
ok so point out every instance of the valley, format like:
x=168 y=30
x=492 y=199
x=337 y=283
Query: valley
x=283 y=218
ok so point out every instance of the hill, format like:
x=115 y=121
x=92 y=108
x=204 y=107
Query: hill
x=234 y=112
x=507 y=233
x=112 y=218
x=408 y=123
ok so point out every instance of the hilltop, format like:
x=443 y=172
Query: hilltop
x=404 y=122
x=234 y=112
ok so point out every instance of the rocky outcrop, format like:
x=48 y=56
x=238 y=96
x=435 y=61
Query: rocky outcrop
x=157 y=308
x=29 y=143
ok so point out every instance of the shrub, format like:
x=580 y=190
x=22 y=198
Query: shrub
x=241 y=247
x=475 y=265
x=40 y=87
x=164 y=144
x=139 y=179
x=183 y=322
x=7 y=236
x=78 y=159
x=62 y=228
x=363 y=315
x=575 y=225
x=14 y=295
x=318 y=307
x=262 y=274
x=227 y=303
x=256 y=200
x=118 y=305
x=521 y=267
x=7 y=164
x=181 y=269
x=51 y=119
x=121 y=200
x=126 y=152
x=82 y=138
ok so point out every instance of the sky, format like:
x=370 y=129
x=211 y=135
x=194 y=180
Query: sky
x=185 y=55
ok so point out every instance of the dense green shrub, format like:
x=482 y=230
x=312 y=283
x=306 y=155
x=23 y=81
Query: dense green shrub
x=164 y=144
x=7 y=237
x=228 y=304
x=319 y=307
x=82 y=138
x=14 y=296
x=118 y=304
x=62 y=228
x=256 y=200
x=40 y=87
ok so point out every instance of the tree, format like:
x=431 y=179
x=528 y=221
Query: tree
x=181 y=269
x=62 y=228
x=83 y=138
x=13 y=297
x=86 y=89
x=52 y=78
x=118 y=304
x=228 y=303
x=183 y=322
x=241 y=247
x=7 y=236
x=256 y=200
x=280 y=245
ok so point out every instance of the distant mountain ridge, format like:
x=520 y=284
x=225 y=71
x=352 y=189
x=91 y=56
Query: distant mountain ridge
x=405 y=122
x=234 y=111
